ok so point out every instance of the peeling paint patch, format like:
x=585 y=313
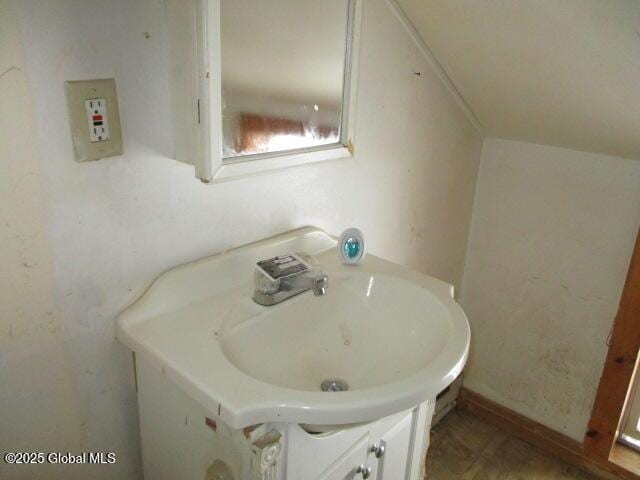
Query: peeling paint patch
x=247 y=431
x=209 y=423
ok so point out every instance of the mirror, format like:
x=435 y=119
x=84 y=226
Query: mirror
x=267 y=80
x=285 y=73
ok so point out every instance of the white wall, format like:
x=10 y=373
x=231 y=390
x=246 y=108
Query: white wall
x=80 y=241
x=552 y=235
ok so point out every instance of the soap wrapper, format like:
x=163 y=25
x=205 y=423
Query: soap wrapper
x=283 y=266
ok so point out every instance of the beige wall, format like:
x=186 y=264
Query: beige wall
x=39 y=406
x=80 y=241
x=552 y=235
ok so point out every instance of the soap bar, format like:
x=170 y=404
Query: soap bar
x=283 y=266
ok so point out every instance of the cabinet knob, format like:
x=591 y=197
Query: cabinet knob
x=365 y=471
x=377 y=450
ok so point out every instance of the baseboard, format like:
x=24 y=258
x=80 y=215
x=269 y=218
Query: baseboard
x=542 y=437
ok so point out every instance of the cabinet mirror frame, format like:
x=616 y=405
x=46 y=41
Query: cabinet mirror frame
x=209 y=163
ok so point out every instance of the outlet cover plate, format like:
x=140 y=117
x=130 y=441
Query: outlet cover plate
x=84 y=145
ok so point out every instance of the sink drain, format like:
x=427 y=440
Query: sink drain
x=334 y=385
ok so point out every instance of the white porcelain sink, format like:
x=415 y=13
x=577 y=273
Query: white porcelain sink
x=368 y=330
x=394 y=336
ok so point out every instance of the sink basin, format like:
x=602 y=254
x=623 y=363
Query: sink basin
x=368 y=330
x=390 y=338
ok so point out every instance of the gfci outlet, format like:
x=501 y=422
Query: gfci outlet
x=95 y=119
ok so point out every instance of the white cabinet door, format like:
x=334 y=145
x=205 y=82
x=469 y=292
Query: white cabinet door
x=346 y=467
x=392 y=451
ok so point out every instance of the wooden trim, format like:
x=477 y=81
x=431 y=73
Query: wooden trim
x=544 y=438
x=618 y=367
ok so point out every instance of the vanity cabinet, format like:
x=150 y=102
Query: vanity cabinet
x=229 y=389
x=180 y=439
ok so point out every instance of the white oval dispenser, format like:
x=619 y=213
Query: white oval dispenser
x=352 y=246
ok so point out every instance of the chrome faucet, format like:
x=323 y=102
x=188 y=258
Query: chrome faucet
x=318 y=282
x=272 y=289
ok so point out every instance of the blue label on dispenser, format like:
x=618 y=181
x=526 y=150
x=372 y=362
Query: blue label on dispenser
x=351 y=248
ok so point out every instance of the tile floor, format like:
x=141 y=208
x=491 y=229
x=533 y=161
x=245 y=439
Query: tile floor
x=465 y=447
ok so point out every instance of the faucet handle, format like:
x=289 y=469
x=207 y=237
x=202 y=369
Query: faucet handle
x=265 y=284
x=321 y=283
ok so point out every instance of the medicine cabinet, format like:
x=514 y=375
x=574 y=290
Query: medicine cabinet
x=258 y=85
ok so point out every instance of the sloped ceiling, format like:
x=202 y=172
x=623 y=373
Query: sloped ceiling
x=555 y=72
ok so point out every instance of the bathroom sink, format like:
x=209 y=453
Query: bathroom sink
x=382 y=339
x=368 y=330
